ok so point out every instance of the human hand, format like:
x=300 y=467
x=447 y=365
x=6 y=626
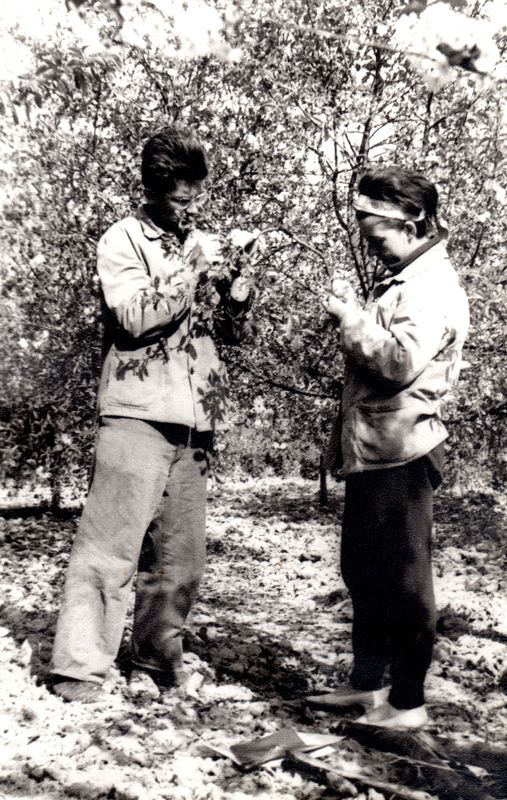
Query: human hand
x=333 y=305
x=340 y=298
x=343 y=290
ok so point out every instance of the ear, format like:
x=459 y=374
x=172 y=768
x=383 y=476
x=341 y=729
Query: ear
x=410 y=229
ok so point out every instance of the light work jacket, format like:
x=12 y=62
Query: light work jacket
x=159 y=364
x=403 y=353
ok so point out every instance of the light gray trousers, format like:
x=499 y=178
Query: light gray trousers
x=146 y=511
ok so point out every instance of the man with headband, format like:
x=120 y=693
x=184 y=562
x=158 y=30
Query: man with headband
x=403 y=353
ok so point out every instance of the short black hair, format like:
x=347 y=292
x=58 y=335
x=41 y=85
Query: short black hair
x=173 y=154
x=409 y=190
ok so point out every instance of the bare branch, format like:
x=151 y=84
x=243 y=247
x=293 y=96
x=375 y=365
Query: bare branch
x=286 y=387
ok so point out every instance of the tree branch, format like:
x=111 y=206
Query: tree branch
x=286 y=387
x=301 y=242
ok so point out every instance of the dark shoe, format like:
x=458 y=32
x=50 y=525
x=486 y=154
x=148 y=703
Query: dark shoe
x=72 y=690
x=149 y=683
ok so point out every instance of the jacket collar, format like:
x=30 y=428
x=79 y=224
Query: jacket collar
x=420 y=260
x=148 y=227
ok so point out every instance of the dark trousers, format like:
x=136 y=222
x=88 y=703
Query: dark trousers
x=386 y=565
x=146 y=512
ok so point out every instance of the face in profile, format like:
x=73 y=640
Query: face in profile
x=180 y=206
x=390 y=243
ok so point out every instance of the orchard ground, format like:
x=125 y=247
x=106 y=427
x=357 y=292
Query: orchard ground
x=272 y=623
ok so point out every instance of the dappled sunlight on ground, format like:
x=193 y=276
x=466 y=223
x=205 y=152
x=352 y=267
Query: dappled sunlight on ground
x=271 y=624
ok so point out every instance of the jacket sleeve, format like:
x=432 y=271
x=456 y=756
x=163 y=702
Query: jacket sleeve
x=141 y=305
x=400 y=352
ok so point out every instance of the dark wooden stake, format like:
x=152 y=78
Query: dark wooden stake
x=323 y=497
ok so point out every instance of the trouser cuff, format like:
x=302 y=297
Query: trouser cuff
x=75 y=676
x=405 y=699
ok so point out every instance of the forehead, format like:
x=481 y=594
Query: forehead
x=374 y=226
x=187 y=188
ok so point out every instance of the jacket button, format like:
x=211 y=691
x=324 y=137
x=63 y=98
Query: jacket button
x=192 y=370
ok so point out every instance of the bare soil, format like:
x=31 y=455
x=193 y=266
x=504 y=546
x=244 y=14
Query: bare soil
x=272 y=623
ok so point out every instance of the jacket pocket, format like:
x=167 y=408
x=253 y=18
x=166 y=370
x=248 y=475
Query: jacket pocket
x=129 y=380
x=384 y=433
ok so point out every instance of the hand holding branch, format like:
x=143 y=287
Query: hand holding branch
x=339 y=298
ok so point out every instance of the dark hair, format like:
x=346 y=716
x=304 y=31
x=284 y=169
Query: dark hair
x=411 y=191
x=171 y=155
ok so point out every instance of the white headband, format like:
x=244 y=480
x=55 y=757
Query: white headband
x=383 y=208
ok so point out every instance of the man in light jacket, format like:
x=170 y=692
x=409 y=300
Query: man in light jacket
x=163 y=390
x=403 y=352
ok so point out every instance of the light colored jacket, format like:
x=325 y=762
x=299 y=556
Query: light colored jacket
x=403 y=354
x=158 y=366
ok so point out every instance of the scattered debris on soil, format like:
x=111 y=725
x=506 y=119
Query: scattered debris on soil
x=272 y=624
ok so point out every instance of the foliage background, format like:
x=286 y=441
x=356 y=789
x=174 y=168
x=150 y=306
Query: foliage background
x=315 y=92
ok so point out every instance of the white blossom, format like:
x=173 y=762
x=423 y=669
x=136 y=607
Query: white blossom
x=440 y=38
x=240 y=238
